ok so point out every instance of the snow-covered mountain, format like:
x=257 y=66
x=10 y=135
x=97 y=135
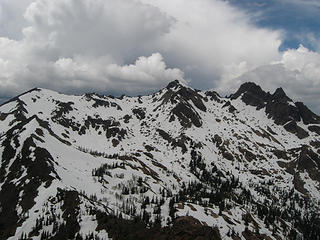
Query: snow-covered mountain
x=178 y=164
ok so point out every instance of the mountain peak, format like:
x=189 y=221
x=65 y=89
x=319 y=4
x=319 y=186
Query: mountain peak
x=249 y=87
x=178 y=92
x=279 y=91
x=176 y=84
x=281 y=108
x=20 y=95
x=252 y=94
x=279 y=94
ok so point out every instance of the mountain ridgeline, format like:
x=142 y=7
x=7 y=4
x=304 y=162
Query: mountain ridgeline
x=177 y=164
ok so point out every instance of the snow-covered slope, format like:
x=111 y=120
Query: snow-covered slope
x=191 y=162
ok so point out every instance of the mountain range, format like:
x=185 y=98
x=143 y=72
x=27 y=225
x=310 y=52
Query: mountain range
x=176 y=164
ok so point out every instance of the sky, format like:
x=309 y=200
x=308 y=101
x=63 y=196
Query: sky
x=138 y=46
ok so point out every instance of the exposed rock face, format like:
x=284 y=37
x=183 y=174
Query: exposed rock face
x=295 y=129
x=174 y=84
x=187 y=103
x=308 y=117
x=187 y=115
x=231 y=108
x=212 y=95
x=183 y=93
x=139 y=113
x=281 y=108
x=315 y=129
x=252 y=95
x=307 y=161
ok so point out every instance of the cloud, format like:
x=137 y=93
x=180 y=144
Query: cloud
x=11 y=18
x=144 y=76
x=81 y=74
x=86 y=45
x=211 y=40
x=312 y=39
x=122 y=29
x=298 y=72
x=81 y=45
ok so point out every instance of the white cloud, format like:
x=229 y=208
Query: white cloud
x=93 y=42
x=215 y=39
x=149 y=70
x=80 y=74
x=87 y=45
x=147 y=74
x=122 y=29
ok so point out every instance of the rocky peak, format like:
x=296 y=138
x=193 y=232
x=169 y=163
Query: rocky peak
x=213 y=95
x=281 y=108
x=280 y=96
x=186 y=101
x=278 y=106
x=174 y=84
x=179 y=90
x=249 y=87
x=252 y=94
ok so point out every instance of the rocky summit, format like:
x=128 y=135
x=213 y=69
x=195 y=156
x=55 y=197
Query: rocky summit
x=177 y=164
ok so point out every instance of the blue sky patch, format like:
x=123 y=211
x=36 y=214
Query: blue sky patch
x=298 y=18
